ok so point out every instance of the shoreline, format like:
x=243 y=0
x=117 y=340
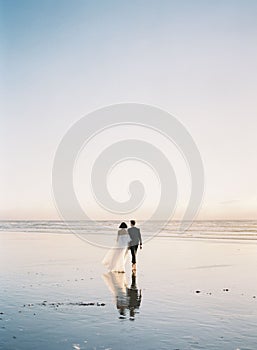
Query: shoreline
x=194 y=294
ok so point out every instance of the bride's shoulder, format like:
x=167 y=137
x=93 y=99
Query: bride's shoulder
x=122 y=231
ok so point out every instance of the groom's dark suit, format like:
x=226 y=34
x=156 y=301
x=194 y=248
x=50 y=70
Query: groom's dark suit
x=135 y=239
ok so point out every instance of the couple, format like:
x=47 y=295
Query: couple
x=115 y=259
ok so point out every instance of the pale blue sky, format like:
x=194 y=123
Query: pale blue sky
x=63 y=59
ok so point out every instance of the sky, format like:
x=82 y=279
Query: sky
x=60 y=60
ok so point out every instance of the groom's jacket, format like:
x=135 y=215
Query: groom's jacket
x=135 y=236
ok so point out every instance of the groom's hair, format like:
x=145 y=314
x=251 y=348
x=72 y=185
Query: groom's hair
x=133 y=222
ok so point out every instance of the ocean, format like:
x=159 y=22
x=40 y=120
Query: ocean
x=231 y=229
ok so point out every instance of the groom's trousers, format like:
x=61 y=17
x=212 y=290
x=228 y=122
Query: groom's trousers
x=133 y=250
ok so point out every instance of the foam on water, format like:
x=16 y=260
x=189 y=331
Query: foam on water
x=236 y=229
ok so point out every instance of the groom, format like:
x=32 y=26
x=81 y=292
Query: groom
x=135 y=239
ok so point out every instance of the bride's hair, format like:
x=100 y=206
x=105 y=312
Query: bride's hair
x=123 y=225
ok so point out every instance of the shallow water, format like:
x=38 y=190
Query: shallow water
x=171 y=315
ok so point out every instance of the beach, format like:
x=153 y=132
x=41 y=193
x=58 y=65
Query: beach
x=188 y=293
x=118 y=114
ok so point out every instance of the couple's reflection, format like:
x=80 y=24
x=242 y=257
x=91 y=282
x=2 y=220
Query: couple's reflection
x=128 y=299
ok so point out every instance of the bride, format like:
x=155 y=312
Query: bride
x=116 y=257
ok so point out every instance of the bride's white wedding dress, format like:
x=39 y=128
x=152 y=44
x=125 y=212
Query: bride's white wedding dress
x=116 y=257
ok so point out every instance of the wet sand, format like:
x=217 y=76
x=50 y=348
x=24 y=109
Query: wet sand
x=186 y=294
